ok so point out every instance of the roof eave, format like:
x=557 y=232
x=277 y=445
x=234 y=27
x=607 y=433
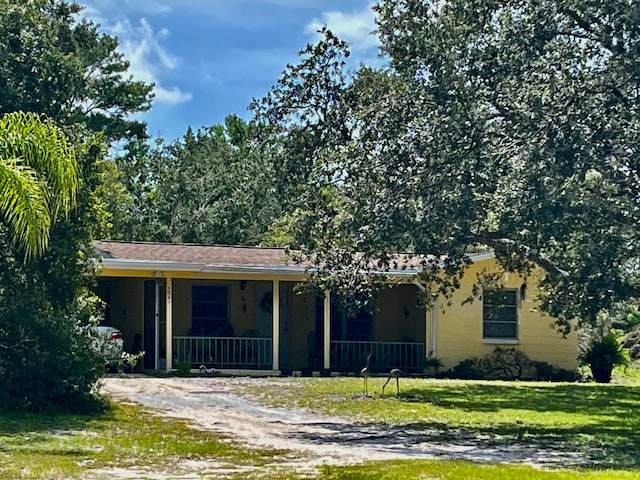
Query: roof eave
x=172 y=266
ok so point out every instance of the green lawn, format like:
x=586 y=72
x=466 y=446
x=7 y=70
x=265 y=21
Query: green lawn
x=600 y=421
x=66 y=446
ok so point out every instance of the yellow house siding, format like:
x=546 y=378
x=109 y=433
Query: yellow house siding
x=181 y=307
x=412 y=323
x=201 y=275
x=459 y=327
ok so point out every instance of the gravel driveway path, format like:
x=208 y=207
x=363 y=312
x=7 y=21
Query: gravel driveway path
x=212 y=403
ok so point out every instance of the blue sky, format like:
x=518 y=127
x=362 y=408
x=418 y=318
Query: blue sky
x=209 y=58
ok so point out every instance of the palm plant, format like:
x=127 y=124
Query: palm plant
x=602 y=355
x=39 y=178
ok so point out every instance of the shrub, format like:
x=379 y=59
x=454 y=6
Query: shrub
x=631 y=341
x=508 y=364
x=47 y=363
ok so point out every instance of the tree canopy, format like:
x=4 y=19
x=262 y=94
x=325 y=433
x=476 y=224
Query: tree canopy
x=216 y=185
x=57 y=67
x=55 y=64
x=508 y=126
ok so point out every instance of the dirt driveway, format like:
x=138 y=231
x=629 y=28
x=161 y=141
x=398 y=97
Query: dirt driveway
x=212 y=403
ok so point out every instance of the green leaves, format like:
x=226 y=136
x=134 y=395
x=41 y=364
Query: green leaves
x=508 y=126
x=55 y=64
x=216 y=185
x=39 y=178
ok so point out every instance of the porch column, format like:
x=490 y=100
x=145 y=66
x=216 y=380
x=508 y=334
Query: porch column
x=276 y=325
x=326 y=341
x=434 y=327
x=427 y=330
x=169 y=324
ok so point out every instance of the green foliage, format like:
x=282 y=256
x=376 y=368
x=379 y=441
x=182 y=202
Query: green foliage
x=62 y=69
x=46 y=363
x=603 y=354
x=507 y=125
x=216 y=185
x=184 y=367
x=433 y=362
x=38 y=178
x=631 y=341
x=54 y=64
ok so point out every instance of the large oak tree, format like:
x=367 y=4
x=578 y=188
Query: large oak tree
x=504 y=125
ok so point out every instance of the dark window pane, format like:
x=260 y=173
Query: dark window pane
x=500 y=297
x=218 y=310
x=209 y=309
x=500 y=313
x=200 y=310
x=510 y=297
x=499 y=330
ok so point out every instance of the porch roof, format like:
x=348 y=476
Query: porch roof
x=216 y=258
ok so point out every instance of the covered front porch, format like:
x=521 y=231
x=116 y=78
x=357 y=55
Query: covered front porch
x=243 y=325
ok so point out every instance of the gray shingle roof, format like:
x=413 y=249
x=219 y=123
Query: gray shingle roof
x=201 y=254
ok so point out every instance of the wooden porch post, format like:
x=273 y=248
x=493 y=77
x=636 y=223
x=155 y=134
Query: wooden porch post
x=326 y=341
x=276 y=325
x=169 y=324
x=434 y=327
x=427 y=330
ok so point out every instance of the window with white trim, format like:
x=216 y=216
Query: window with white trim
x=500 y=314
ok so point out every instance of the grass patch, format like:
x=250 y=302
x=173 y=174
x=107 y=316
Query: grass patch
x=456 y=470
x=599 y=421
x=66 y=446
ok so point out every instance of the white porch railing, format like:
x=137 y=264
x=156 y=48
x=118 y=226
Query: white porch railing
x=224 y=352
x=349 y=356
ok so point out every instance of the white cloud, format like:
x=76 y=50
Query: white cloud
x=172 y=97
x=142 y=47
x=355 y=27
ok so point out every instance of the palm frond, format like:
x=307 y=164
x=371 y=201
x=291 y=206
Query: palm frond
x=23 y=202
x=44 y=147
x=39 y=178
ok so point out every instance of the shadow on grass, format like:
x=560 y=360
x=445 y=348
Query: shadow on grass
x=12 y=423
x=612 y=400
x=609 y=434
x=596 y=447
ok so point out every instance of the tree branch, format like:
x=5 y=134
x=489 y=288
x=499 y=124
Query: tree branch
x=497 y=239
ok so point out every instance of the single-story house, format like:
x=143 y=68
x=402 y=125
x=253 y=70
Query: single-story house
x=238 y=309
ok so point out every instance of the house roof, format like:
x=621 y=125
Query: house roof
x=205 y=258
x=194 y=257
x=185 y=252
